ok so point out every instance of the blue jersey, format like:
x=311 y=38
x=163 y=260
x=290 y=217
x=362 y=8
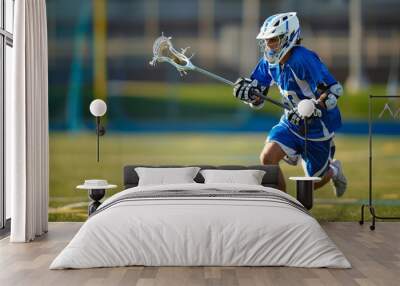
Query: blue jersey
x=297 y=79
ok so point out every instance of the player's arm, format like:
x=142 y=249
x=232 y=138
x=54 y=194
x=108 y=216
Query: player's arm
x=246 y=89
x=328 y=89
x=329 y=95
x=324 y=86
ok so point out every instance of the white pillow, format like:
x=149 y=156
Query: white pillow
x=163 y=176
x=248 y=177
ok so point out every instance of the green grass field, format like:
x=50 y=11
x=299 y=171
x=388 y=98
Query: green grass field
x=73 y=159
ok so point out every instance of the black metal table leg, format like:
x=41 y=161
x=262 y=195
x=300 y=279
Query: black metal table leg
x=305 y=190
x=305 y=193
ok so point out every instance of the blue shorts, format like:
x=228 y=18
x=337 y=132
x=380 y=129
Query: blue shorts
x=319 y=153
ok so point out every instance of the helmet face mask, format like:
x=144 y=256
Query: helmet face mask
x=272 y=48
x=278 y=35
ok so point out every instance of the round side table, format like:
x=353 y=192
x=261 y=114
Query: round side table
x=96 y=191
x=305 y=190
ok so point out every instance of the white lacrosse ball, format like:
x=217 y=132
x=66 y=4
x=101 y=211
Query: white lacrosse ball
x=306 y=107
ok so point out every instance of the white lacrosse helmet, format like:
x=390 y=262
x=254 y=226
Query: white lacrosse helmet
x=285 y=26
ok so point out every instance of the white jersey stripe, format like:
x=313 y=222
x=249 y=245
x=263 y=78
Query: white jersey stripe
x=304 y=86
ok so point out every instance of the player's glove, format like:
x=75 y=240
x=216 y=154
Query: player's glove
x=317 y=112
x=330 y=101
x=332 y=95
x=246 y=90
x=294 y=117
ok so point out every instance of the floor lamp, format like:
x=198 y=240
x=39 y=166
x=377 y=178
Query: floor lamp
x=98 y=108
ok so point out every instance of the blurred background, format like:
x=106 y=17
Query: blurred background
x=102 y=48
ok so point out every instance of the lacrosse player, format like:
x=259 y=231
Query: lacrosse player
x=299 y=74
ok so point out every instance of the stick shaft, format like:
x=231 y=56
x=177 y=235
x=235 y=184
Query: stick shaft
x=214 y=76
x=305 y=138
x=224 y=80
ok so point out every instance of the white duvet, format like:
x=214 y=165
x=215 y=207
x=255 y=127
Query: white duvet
x=183 y=231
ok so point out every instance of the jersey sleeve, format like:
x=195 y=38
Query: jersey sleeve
x=311 y=69
x=261 y=74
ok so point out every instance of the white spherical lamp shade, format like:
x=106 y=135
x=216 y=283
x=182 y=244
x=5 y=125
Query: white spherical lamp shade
x=306 y=107
x=98 y=107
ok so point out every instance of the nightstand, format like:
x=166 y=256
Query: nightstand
x=305 y=190
x=96 y=191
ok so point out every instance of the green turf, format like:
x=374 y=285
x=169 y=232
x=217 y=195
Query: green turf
x=73 y=159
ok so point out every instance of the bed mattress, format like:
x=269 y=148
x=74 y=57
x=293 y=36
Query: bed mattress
x=201 y=225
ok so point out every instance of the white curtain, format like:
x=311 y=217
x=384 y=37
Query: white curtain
x=27 y=133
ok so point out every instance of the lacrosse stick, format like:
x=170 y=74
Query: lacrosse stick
x=163 y=51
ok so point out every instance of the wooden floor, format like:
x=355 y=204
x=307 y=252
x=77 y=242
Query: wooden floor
x=374 y=255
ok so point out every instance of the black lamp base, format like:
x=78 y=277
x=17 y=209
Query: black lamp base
x=96 y=195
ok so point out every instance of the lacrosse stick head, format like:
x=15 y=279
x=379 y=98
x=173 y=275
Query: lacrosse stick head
x=163 y=51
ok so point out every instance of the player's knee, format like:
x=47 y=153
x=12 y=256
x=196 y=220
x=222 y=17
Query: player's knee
x=271 y=154
x=267 y=158
x=261 y=158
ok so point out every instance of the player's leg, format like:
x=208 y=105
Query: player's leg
x=319 y=163
x=339 y=180
x=325 y=179
x=280 y=143
x=272 y=154
x=329 y=172
x=316 y=161
x=336 y=175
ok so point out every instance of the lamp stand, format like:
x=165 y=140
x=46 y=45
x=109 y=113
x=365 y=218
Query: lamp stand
x=100 y=131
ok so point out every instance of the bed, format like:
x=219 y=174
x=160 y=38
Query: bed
x=201 y=224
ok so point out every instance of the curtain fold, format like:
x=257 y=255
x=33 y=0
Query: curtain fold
x=27 y=121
